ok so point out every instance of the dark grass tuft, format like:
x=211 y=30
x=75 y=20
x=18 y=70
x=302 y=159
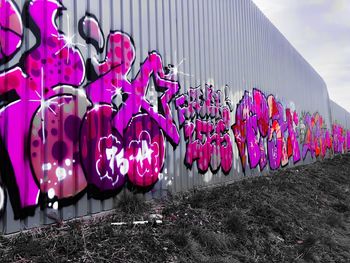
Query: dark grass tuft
x=180 y=237
x=235 y=223
x=131 y=203
x=213 y=243
x=335 y=220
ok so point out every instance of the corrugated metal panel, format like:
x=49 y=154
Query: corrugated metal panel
x=227 y=44
x=339 y=115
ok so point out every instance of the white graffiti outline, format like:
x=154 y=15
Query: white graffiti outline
x=140 y=154
x=2 y=198
x=122 y=163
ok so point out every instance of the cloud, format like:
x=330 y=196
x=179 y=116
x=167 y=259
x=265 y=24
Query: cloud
x=320 y=31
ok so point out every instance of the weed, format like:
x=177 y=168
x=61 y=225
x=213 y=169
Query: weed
x=131 y=204
x=214 y=243
x=335 y=220
x=180 y=237
x=235 y=223
x=196 y=200
x=341 y=207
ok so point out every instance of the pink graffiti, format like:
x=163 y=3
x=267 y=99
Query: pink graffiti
x=61 y=137
x=114 y=142
x=339 y=139
x=54 y=146
x=11 y=30
x=102 y=150
x=116 y=67
x=91 y=31
x=317 y=139
x=260 y=124
x=145 y=150
x=141 y=134
x=112 y=159
x=206 y=123
x=49 y=64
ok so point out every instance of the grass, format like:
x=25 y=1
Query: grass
x=180 y=237
x=235 y=223
x=214 y=243
x=131 y=203
x=296 y=215
x=335 y=220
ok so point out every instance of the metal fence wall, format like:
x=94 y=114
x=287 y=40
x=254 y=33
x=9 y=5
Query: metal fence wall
x=147 y=96
x=340 y=115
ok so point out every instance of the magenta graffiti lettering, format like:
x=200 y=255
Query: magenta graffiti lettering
x=339 y=139
x=39 y=76
x=61 y=137
x=90 y=30
x=54 y=145
x=206 y=121
x=145 y=150
x=71 y=125
x=11 y=30
x=104 y=145
x=265 y=131
x=316 y=137
x=140 y=136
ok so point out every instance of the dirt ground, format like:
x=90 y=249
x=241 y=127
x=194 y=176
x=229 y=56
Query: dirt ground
x=295 y=215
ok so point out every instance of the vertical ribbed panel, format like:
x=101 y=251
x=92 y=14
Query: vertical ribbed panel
x=228 y=44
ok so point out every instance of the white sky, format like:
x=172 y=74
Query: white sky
x=320 y=31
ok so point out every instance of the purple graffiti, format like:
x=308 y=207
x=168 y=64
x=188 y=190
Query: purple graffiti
x=339 y=139
x=91 y=31
x=70 y=123
x=317 y=139
x=50 y=64
x=206 y=123
x=54 y=145
x=264 y=132
x=140 y=134
x=11 y=30
x=102 y=150
x=145 y=150
x=63 y=125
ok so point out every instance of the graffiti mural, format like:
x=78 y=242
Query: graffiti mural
x=11 y=31
x=316 y=139
x=76 y=121
x=339 y=138
x=39 y=81
x=205 y=121
x=265 y=132
x=72 y=136
x=129 y=138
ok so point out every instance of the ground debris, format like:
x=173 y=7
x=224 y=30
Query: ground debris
x=300 y=214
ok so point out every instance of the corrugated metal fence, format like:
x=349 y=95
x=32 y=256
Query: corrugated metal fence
x=102 y=97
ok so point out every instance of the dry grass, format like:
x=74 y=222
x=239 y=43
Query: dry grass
x=296 y=215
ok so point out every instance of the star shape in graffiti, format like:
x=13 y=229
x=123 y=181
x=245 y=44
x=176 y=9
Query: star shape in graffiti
x=44 y=104
x=163 y=99
x=143 y=153
x=151 y=91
